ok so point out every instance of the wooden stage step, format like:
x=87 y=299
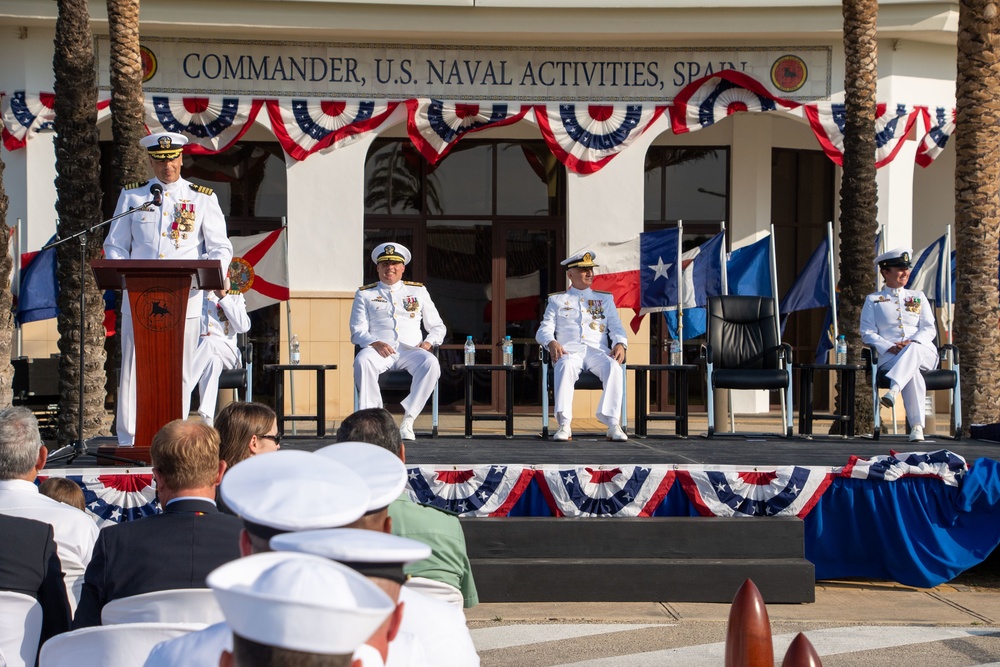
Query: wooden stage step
x=668 y=559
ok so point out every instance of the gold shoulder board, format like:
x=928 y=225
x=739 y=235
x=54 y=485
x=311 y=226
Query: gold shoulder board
x=410 y=282
x=368 y=286
x=202 y=189
x=557 y=293
x=133 y=186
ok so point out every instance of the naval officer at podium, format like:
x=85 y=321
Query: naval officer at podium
x=185 y=222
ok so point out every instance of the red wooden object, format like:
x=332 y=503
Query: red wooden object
x=748 y=634
x=158 y=295
x=801 y=653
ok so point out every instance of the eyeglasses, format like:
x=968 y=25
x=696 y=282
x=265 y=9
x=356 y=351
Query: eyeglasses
x=276 y=438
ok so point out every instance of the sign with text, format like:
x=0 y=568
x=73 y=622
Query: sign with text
x=402 y=71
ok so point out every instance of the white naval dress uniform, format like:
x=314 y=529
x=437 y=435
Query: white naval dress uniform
x=894 y=315
x=148 y=235
x=393 y=314
x=582 y=321
x=222 y=321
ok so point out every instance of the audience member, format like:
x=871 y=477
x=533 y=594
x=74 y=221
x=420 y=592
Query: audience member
x=288 y=609
x=22 y=456
x=175 y=549
x=447 y=574
x=223 y=319
x=30 y=565
x=65 y=491
x=245 y=429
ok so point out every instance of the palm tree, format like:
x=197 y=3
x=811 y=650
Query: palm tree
x=128 y=158
x=858 y=194
x=6 y=302
x=977 y=179
x=78 y=207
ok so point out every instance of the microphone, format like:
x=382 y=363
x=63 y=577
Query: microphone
x=156 y=190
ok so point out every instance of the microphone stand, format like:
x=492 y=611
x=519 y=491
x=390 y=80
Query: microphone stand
x=79 y=448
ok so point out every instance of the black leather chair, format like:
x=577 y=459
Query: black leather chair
x=744 y=351
x=240 y=379
x=587 y=380
x=400 y=380
x=939 y=379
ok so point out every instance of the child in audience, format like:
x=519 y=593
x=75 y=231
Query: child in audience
x=64 y=490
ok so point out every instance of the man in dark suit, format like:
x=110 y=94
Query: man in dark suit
x=30 y=565
x=175 y=549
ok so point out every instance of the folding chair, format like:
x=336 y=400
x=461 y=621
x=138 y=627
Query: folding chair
x=123 y=645
x=400 y=380
x=185 y=605
x=20 y=628
x=587 y=380
x=744 y=352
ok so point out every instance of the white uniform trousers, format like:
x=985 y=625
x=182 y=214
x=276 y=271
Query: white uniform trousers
x=126 y=383
x=421 y=364
x=214 y=355
x=567 y=370
x=904 y=369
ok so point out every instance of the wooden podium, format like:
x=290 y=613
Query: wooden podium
x=158 y=291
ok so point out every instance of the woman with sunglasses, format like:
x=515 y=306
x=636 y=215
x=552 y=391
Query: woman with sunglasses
x=245 y=429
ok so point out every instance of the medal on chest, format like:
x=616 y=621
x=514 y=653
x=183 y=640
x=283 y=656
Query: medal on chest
x=411 y=305
x=183 y=222
x=596 y=308
x=912 y=304
x=223 y=320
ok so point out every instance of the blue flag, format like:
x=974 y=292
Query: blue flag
x=825 y=338
x=38 y=298
x=657 y=269
x=927 y=272
x=703 y=278
x=749 y=269
x=812 y=288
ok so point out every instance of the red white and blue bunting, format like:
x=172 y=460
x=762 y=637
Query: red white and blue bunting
x=892 y=124
x=943 y=464
x=939 y=130
x=305 y=126
x=626 y=491
x=477 y=491
x=435 y=126
x=213 y=123
x=726 y=492
x=710 y=99
x=112 y=497
x=24 y=115
x=585 y=137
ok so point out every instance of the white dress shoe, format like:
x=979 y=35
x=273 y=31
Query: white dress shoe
x=563 y=434
x=616 y=434
x=917 y=433
x=889 y=399
x=406 y=429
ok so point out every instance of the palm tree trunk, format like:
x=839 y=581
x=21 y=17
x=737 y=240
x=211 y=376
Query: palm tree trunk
x=79 y=207
x=6 y=303
x=128 y=159
x=858 y=193
x=977 y=179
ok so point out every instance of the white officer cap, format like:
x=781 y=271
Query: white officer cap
x=382 y=471
x=369 y=552
x=299 y=602
x=391 y=252
x=290 y=490
x=897 y=257
x=581 y=260
x=164 y=145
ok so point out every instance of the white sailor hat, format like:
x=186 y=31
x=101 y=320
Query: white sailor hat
x=382 y=471
x=391 y=252
x=897 y=257
x=299 y=602
x=290 y=490
x=164 y=145
x=369 y=552
x=581 y=260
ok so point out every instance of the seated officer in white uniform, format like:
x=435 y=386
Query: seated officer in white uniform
x=899 y=324
x=385 y=323
x=224 y=318
x=575 y=329
x=187 y=223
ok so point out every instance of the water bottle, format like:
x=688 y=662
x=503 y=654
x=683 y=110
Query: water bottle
x=508 y=351
x=676 y=353
x=294 y=343
x=841 y=350
x=470 y=352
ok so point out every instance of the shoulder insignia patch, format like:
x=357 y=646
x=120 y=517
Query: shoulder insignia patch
x=133 y=186
x=413 y=284
x=202 y=189
x=557 y=293
x=597 y=291
x=368 y=286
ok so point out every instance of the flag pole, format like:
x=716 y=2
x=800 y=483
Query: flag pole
x=680 y=285
x=833 y=279
x=725 y=260
x=948 y=296
x=288 y=317
x=18 y=340
x=774 y=289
